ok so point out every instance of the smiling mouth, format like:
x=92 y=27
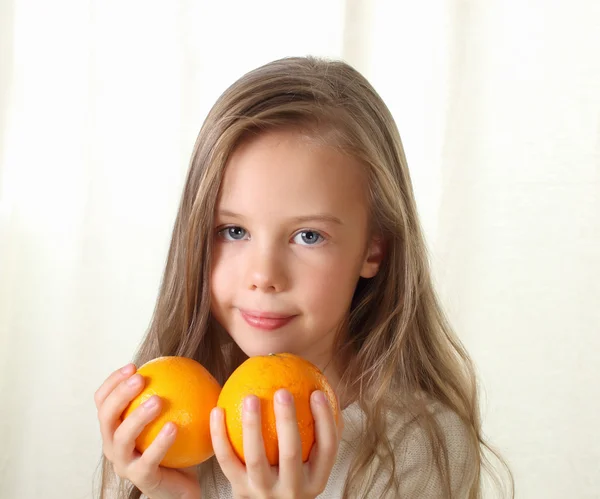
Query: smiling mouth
x=265 y=320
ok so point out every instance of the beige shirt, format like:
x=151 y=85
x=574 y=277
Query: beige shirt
x=413 y=457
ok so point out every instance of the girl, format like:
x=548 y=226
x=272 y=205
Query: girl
x=298 y=232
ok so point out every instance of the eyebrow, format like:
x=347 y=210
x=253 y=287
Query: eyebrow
x=317 y=217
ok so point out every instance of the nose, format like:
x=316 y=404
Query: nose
x=266 y=269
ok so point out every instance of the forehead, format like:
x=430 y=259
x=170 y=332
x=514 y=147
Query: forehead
x=289 y=174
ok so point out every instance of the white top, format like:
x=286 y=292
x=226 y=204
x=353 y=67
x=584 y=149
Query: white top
x=413 y=460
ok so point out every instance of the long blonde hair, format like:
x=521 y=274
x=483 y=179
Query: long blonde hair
x=397 y=344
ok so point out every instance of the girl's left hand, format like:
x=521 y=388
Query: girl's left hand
x=292 y=478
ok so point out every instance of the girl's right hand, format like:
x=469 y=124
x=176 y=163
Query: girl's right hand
x=118 y=440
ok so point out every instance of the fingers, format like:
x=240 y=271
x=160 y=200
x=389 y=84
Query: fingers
x=119 y=437
x=110 y=411
x=111 y=382
x=293 y=476
x=125 y=435
x=144 y=471
x=155 y=453
x=231 y=466
x=257 y=466
x=290 y=447
x=323 y=454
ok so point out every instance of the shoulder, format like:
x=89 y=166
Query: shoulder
x=432 y=448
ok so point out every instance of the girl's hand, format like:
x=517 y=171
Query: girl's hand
x=292 y=479
x=118 y=440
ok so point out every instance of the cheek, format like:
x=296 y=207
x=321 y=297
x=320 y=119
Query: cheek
x=331 y=288
x=222 y=277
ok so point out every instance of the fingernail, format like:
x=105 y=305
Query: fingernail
x=167 y=429
x=128 y=369
x=214 y=415
x=151 y=403
x=319 y=397
x=283 y=397
x=134 y=380
x=251 y=404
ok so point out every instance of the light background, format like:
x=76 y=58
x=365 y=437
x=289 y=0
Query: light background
x=498 y=105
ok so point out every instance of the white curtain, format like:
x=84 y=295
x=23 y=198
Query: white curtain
x=498 y=104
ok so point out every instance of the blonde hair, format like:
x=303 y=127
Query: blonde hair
x=397 y=345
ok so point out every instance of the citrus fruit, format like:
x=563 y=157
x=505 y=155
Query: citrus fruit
x=188 y=392
x=263 y=376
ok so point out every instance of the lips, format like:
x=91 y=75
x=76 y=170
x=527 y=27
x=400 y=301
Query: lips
x=265 y=320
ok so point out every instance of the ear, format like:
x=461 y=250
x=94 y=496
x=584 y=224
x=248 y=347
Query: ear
x=373 y=258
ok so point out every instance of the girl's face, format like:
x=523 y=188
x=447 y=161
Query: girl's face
x=291 y=240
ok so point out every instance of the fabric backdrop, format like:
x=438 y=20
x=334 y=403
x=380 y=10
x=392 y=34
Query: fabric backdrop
x=498 y=105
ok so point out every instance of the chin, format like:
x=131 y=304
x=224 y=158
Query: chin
x=256 y=348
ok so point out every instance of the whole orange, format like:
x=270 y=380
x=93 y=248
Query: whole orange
x=188 y=392
x=263 y=376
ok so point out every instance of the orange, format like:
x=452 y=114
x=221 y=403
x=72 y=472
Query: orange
x=188 y=392
x=263 y=376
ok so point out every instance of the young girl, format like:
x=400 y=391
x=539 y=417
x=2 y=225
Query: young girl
x=298 y=232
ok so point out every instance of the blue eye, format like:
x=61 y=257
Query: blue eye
x=308 y=238
x=233 y=233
